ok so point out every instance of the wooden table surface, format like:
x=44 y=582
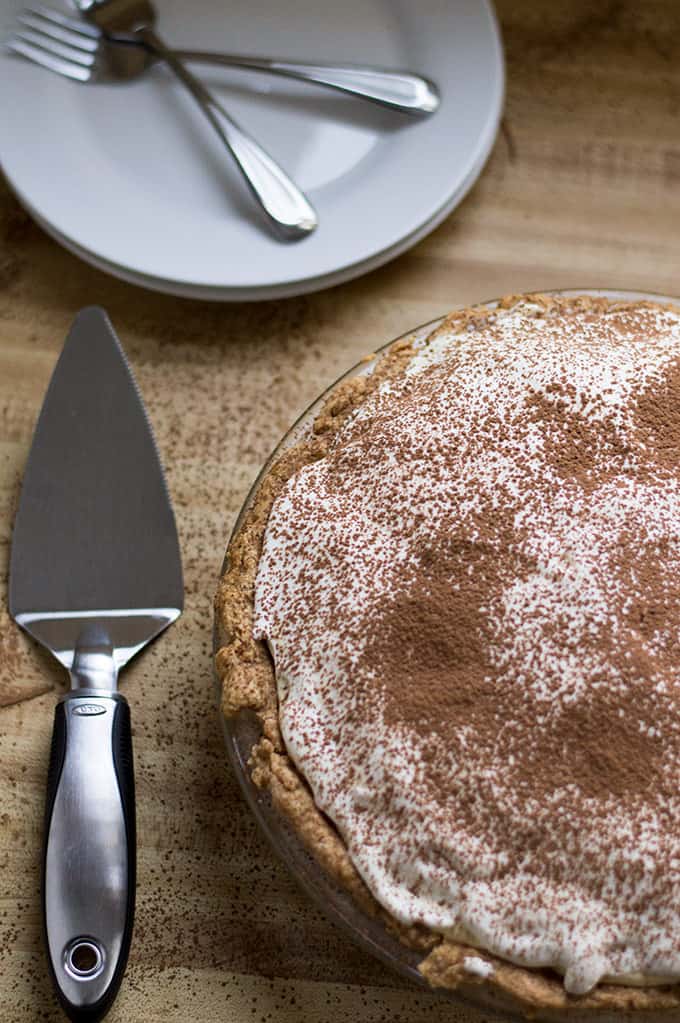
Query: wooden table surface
x=582 y=189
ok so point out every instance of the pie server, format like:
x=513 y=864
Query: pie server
x=95 y=574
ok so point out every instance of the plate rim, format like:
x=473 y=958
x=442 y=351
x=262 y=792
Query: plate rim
x=300 y=286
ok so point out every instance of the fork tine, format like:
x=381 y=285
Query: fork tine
x=56 y=48
x=57 y=32
x=46 y=59
x=76 y=24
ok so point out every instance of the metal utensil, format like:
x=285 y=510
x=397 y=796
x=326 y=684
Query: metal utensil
x=95 y=574
x=123 y=56
x=287 y=209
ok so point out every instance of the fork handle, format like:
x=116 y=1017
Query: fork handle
x=399 y=90
x=286 y=208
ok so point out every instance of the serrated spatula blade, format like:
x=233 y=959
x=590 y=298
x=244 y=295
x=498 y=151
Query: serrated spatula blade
x=94 y=529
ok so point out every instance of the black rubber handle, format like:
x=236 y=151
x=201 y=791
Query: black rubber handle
x=89 y=866
x=57 y=754
x=121 y=746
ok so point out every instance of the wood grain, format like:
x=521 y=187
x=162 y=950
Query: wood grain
x=582 y=189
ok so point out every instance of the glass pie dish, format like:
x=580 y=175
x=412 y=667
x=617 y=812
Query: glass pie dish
x=243 y=731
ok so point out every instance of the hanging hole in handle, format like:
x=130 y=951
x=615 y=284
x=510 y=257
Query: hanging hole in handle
x=84 y=958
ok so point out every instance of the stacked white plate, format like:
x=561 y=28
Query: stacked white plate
x=129 y=177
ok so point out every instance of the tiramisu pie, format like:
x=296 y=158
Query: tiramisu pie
x=455 y=607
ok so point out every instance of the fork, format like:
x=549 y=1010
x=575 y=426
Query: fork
x=287 y=209
x=86 y=44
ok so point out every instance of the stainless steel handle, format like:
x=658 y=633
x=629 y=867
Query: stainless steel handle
x=89 y=865
x=399 y=90
x=286 y=208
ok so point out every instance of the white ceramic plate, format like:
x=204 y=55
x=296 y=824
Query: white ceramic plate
x=128 y=177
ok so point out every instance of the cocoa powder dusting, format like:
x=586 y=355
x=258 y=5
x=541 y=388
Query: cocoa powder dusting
x=658 y=416
x=473 y=603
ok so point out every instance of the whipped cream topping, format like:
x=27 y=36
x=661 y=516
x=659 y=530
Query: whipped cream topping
x=477 y=967
x=473 y=606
